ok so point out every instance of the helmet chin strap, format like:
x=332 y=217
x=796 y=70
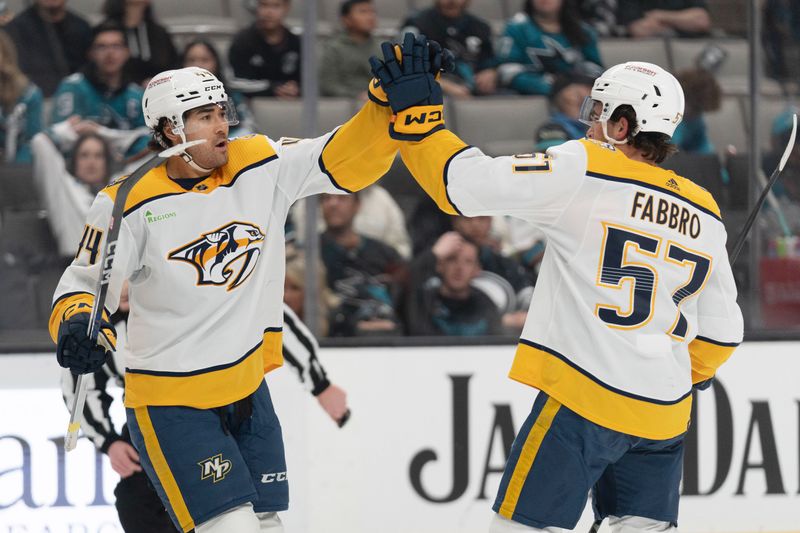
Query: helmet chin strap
x=189 y=159
x=609 y=140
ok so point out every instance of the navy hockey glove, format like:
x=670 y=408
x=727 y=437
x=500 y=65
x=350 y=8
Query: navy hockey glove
x=441 y=60
x=411 y=89
x=76 y=351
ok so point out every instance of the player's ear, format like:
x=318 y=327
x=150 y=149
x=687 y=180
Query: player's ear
x=620 y=129
x=170 y=134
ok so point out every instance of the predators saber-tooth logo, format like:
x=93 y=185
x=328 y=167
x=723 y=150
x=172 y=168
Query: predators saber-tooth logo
x=215 y=252
x=214 y=467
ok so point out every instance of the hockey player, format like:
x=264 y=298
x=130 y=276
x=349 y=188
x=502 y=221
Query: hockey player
x=635 y=303
x=201 y=242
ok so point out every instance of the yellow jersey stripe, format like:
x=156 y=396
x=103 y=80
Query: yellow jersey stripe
x=553 y=373
x=210 y=387
x=707 y=356
x=527 y=456
x=355 y=156
x=606 y=162
x=61 y=307
x=651 y=186
x=429 y=161
x=244 y=153
x=161 y=467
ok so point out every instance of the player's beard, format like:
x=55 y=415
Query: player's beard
x=208 y=156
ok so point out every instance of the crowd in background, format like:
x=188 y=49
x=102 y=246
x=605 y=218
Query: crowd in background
x=70 y=105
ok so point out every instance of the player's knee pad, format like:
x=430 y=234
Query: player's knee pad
x=639 y=524
x=501 y=524
x=241 y=519
x=270 y=522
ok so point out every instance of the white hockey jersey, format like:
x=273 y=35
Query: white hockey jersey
x=635 y=300
x=206 y=266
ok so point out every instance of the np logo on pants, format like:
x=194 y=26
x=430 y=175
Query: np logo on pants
x=214 y=467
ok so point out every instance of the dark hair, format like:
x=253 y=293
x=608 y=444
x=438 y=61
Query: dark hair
x=106 y=26
x=702 y=90
x=565 y=79
x=115 y=10
x=159 y=141
x=212 y=50
x=654 y=146
x=109 y=160
x=569 y=18
x=347 y=6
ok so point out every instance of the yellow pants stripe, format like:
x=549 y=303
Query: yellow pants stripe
x=529 y=451
x=162 y=469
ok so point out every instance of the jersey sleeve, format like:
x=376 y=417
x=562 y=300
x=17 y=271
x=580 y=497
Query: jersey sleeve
x=300 y=351
x=75 y=290
x=463 y=180
x=720 y=324
x=345 y=160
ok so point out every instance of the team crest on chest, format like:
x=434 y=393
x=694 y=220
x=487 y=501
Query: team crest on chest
x=224 y=256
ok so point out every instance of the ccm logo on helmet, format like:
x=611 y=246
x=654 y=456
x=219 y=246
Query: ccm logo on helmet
x=213 y=88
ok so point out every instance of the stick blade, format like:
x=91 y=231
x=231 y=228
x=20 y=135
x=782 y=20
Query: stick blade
x=790 y=144
x=71 y=438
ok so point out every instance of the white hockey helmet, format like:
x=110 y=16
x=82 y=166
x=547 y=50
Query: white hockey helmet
x=654 y=94
x=172 y=93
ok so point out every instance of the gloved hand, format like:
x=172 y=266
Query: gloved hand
x=441 y=60
x=411 y=88
x=76 y=351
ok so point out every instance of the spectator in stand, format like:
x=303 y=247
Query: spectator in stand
x=470 y=40
x=54 y=40
x=786 y=189
x=101 y=99
x=566 y=98
x=658 y=18
x=201 y=53
x=294 y=289
x=502 y=277
x=703 y=95
x=368 y=275
x=267 y=52
x=150 y=45
x=379 y=218
x=68 y=188
x=345 y=60
x=452 y=306
x=546 y=39
x=601 y=15
x=20 y=107
x=781 y=37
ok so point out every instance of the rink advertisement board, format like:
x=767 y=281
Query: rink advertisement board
x=424 y=449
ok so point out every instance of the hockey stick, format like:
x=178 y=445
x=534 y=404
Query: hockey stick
x=742 y=238
x=345 y=417
x=101 y=289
